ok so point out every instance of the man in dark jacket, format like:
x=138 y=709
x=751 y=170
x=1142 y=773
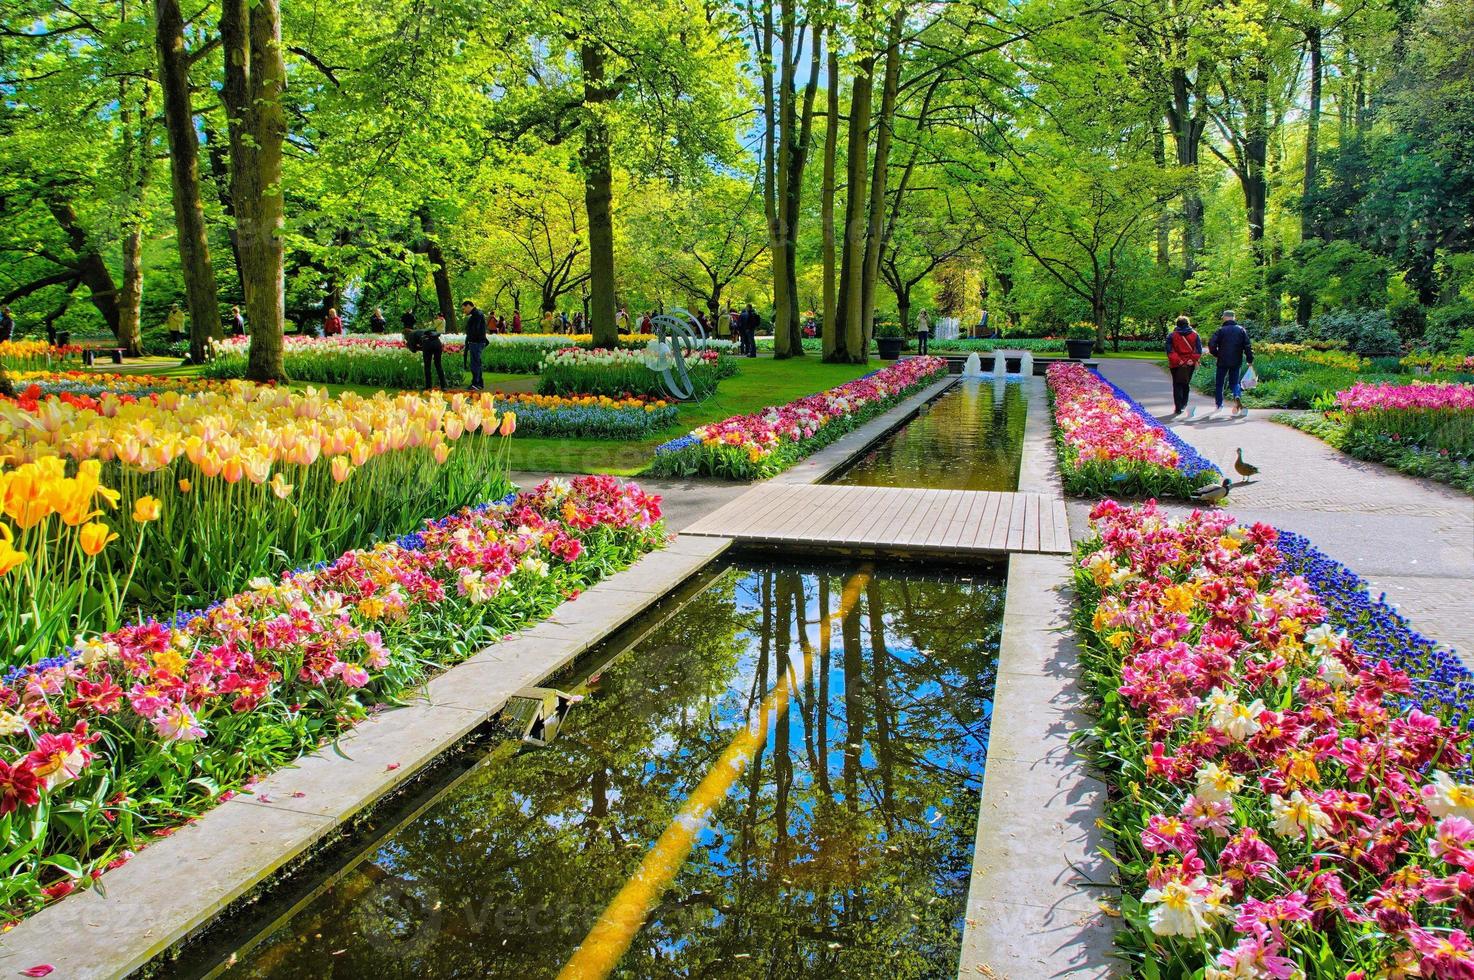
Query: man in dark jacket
x=475 y=340
x=1230 y=345
x=7 y=324
x=747 y=325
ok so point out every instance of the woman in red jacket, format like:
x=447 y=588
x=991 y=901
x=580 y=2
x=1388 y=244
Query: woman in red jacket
x=1184 y=351
x=332 y=324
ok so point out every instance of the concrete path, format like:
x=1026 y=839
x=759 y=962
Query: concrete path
x=1412 y=538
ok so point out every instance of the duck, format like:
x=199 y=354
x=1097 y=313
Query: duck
x=1212 y=492
x=1244 y=469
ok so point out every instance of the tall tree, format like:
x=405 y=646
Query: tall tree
x=255 y=82
x=184 y=168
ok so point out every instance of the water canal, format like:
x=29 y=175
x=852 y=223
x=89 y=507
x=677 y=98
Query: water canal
x=775 y=774
x=968 y=439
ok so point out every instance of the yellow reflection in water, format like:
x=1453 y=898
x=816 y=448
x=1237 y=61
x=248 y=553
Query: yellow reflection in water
x=610 y=938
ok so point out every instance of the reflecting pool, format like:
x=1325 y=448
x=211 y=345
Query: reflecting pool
x=968 y=439
x=779 y=778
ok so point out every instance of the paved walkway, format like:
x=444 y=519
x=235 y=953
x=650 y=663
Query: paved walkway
x=1412 y=538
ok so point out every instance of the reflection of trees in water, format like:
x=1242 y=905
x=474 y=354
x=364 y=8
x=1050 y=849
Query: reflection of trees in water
x=968 y=440
x=844 y=850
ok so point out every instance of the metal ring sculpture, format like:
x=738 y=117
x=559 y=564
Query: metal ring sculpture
x=678 y=334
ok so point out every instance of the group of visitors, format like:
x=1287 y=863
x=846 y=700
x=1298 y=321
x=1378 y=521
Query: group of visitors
x=1231 y=349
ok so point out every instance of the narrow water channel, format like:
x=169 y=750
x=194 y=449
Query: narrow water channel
x=779 y=779
x=968 y=439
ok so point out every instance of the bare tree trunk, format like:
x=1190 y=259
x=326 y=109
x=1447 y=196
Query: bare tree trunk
x=775 y=169
x=1164 y=219
x=598 y=193
x=879 y=182
x=1187 y=118
x=91 y=268
x=184 y=168
x=1305 y=301
x=444 y=298
x=135 y=163
x=834 y=338
x=852 y=260
x=255 y=77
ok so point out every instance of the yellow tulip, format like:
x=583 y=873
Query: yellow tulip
x=146 y=509
x=185 y=486
x=10 y=558
x=232 y=470
x=280 y=487
x=342 y=469
x=441 y=452
x=509 y=424
x=94 y=537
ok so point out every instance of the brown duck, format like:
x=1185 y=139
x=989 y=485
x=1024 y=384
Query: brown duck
x=1244 y=469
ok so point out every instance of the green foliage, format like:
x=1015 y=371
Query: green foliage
x=1366 y=332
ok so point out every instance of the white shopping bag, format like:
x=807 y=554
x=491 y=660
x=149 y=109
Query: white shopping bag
x=1250 y=380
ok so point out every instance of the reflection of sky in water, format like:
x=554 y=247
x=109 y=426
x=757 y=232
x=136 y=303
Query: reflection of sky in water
x=872 y=885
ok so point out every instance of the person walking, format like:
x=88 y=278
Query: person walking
x=407 y=320
x=516 y=321
x=377 y=323
x=431 y=349
x=7 y=325
x=332 y=324
x=476 y=340
x=747 y=325
x=174 y=322
x=237 y=322
x=1184 y=351
x=1231 y=347
x=923 y=332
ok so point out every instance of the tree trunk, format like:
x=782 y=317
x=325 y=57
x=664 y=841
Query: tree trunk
x=852 y=260
x=135 y=165
x=218 y=153
x=834 y=338
x=776 y=147
x=91 y=268
x=598 y=192
x=444 y=297
x=879 y=181
x=903 y=306
x=184 y=167
x=255 y=76
x=1188 y=122
x=1164 y=219
x=1305 y=301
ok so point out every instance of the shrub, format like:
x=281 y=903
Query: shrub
x=1366 y=332
x=1450 y=328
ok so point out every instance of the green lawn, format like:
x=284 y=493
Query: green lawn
x=762 y=382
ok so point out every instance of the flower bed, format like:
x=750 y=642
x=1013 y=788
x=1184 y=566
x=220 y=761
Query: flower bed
x=1423 y=429
x=212 y=489
x=1109 y=444
x=588 y=416
x=574 y=370
x=141 y=729
x=1287 y=757
x=385 y=360
x=34 y=355
x=33 y=387
x=382 y=361
x=760 y=445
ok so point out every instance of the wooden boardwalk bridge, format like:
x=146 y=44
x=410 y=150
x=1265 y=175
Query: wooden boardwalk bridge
x=958 y=523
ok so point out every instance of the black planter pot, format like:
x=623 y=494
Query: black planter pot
x=1079 y=349
x=890 y=347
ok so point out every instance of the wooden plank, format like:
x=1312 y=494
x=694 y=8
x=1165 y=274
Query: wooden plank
x=937 y=536
x=771 y=505
x=886 y=530
x=1031 y=524
x=920 y=518
x=1062 y=526
x=1016 y=522
x=845 y=526
x=998 y=536
x=1046 y=528
x=801 y=504
x=982 y=528
x=961 y=529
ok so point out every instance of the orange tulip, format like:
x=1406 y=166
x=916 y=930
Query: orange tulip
x=185 y=486
x=509 y=424
x=94 y=537
x=232 y=470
